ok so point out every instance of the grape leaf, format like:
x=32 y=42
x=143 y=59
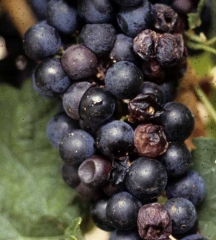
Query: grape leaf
x=204 y=162
x=34 y=200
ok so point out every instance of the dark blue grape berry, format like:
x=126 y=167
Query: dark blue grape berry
x=50 y=77
x=70 y=175
x=177 y=121
x=125 y=235
x=41 y=41
x=98 y=37
x=127 y=3
x=123 y=49
x=146 y=178
x=190 y=186
x=72 y=97
x=169 y=89
x=121 y=211
x=182 y=213
x=194 y=237
x=176 y=159
x=61 y=15
x=123 y=79
x=98 y=213
x=76 y=147
x=39 y=7
x=96 y=11
x=133 y=20
x=96 y=106
x=58 y=127
x=115 y=139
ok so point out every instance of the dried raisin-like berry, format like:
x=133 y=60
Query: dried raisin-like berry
x=144 y=107
x=150 y=140
x=165 y=18
x=145 y=43
x=154 y=222
x=170 y=49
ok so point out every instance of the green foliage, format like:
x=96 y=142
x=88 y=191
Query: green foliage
x=194 y=18
x=204 y=162
x=34 y=200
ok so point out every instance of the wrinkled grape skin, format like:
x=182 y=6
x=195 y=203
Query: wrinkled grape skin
x=79 y=62
x=182 y=213
x=123 y=79
x=122 y=210
x=62 y=16
x=76 y=147
x=190 y=186
x=115 y=139
x=58 y=127
x=41 y=41
x=146 y=178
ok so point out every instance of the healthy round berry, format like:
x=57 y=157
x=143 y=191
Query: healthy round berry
x=76 y=147
x=51 y=78
x=115 y=139
x=194 y=237
x=96 y=11
x=123 y=49
x=146 y=178
x=176 y=159
x=72 y=97
x=125 y=235
x=79 y=62
x=41 y=41
x=177 y=121
x=133 y=20
x=123 y=79
x=59 y=126
x=122 y=209
x=98 y=213
x=96 y=106
x=182 y=213
x=98 y=37
x=190 y=186
x=61 y=15
x=70 y=175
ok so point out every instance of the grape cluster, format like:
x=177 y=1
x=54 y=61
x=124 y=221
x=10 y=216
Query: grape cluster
x=116 y=67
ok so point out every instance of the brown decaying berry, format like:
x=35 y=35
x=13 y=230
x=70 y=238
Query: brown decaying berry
x=165 y=18
x=144 y=107
x=150 y=140
x=153 y=222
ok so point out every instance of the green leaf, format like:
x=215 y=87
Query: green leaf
x=204 y=162
x=194 y=18
x=35 y=203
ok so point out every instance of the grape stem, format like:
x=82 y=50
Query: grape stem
x=203 y=98
x=172 y=238
x=200 y=39
x=20 y=13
